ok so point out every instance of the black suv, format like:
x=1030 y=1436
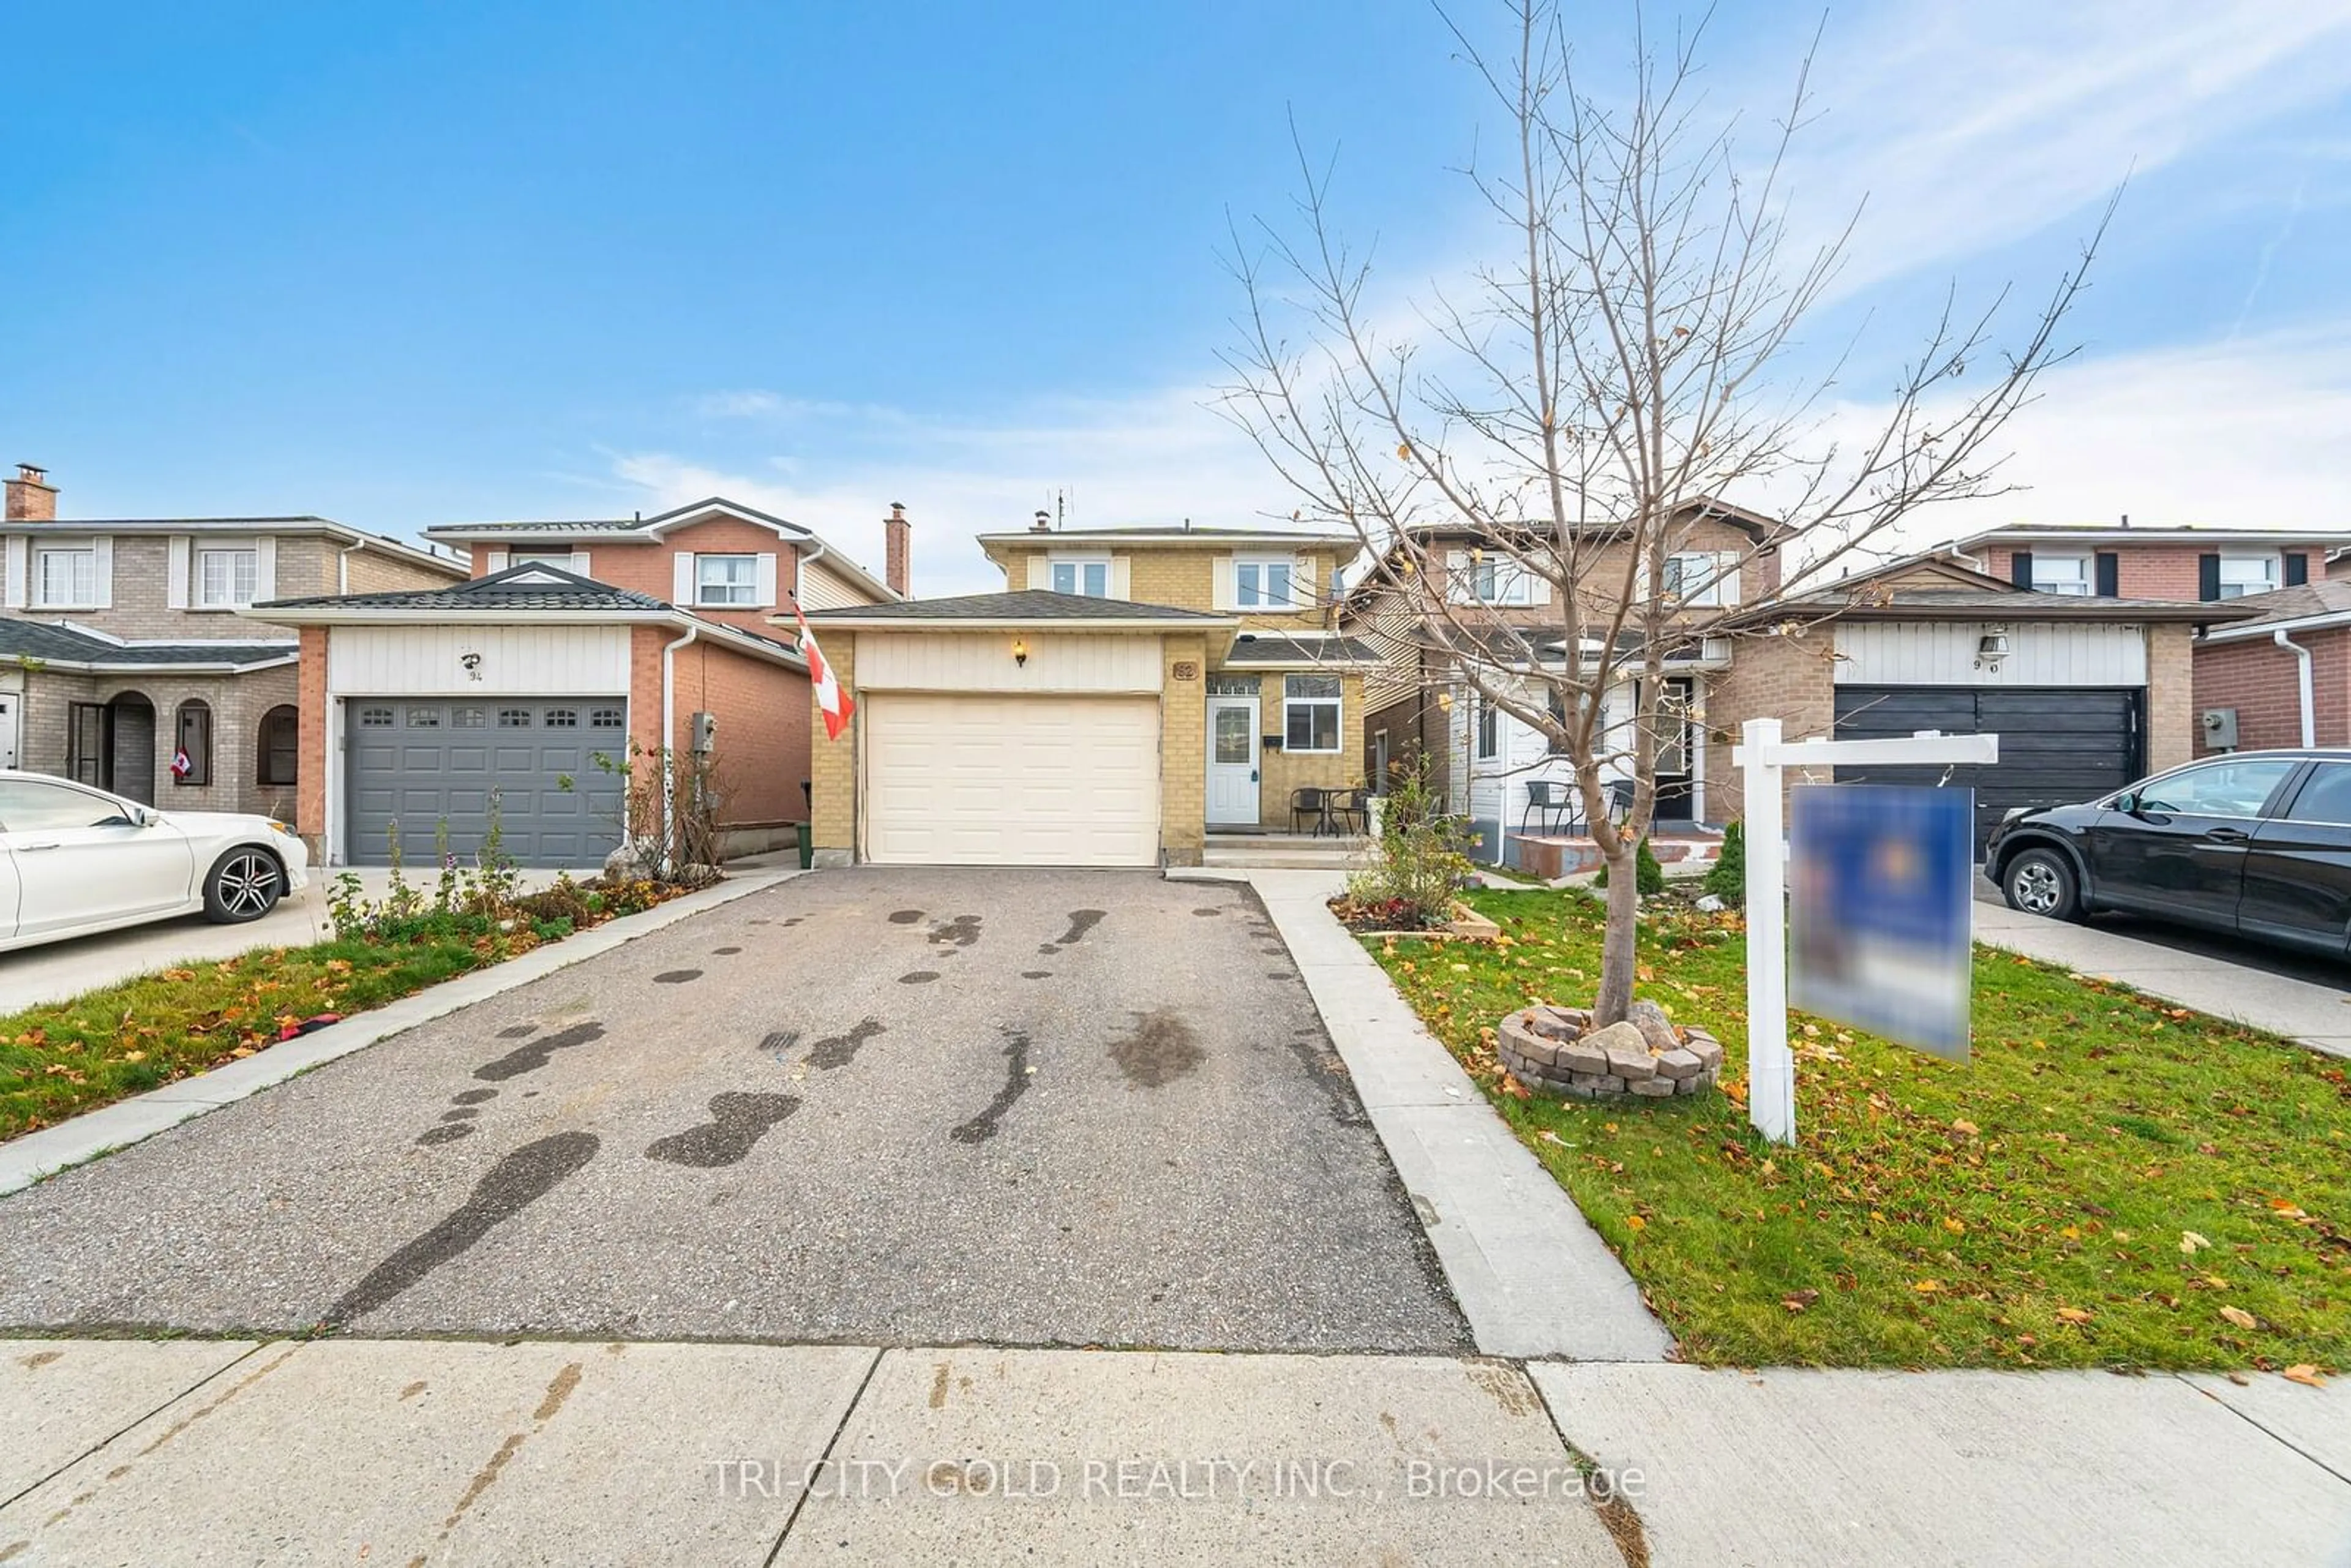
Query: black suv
x=2256 y=842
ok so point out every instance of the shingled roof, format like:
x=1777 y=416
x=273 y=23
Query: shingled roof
x=49 y=644
x=534 y=585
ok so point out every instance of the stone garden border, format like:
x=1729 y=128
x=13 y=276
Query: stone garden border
x=1646 y=1056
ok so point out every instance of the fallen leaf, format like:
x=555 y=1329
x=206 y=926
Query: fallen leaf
x=1968 y=1127
x=2239 y=1316
x=2190 y=1243
x=1928 y=1287
x=2073 y=1315
x=1636 y=1222
x=2305 y=1374
x=1955 y=1226
x=1797 y=1300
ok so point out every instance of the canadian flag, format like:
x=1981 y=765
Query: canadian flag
x=831 y=700
x=181 y=766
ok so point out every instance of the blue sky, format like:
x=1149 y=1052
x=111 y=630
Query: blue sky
x=409 y=264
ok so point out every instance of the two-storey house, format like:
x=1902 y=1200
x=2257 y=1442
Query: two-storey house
x=2087 y=690
x=2179 y=564
x=125 y=663
x=1131 y=691
x=577 y=648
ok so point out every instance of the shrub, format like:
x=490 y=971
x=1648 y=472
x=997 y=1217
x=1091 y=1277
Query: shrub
x=1419 y=865
x=1726 y=878
x=1648 y=876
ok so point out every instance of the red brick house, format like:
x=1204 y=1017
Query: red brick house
x=573 y=641
x=2186 y=563
x=2282 y=678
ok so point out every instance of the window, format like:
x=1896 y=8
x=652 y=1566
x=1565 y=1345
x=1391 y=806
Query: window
x=1309 y=713
x=424 y=718
x=469 y=718
x=2217 y=790
x=514 y=719
x=375 y=719
x=226 y=577
x=1263 y=584
x=1087 y=579
x=1233 y=685
x=2244 y=574
x=27 y=806
x=2327 y=797
x=1483 y=579
x=2066 y=574
x=277 y=760
x=558 y=558
x=86 y=741
x=191 y=755
x=1703 y=579
x=725 y=580
x=1338 y=589
x=1490 y=731
x=603 y=719
x=564 y=718
x=67 y=576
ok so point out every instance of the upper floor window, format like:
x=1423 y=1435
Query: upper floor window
x=66 y=575
x=2244 y=574
x=1088 y=579
x=2066 y=574
x=227 y=577
x=725 y=580
x=1263 y=583
x=1482 y=578
x=1703 y=579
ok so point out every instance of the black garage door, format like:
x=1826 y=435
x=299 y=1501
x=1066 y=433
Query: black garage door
x=2057 y=744
x=415 y=765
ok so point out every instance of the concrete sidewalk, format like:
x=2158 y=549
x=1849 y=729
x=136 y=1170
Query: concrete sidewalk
x=454 y=1451
x=1529 y=1271
x=2318 y=1016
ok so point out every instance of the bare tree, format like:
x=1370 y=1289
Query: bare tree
x=1579 y=411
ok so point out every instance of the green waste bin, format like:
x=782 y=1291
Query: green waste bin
x=808 y=846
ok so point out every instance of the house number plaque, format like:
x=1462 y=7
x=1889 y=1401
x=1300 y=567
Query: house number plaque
x=1185 y=670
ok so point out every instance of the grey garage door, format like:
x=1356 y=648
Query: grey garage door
x=414 y=765
x=2057 y=744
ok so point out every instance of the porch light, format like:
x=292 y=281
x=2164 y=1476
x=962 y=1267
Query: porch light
x=1020 y=652
x=1991 y=647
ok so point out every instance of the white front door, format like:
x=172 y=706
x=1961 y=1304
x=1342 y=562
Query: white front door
x=8 y=701
x=1232 y=761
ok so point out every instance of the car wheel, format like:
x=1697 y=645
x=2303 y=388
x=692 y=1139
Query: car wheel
x=245 y=884
x=2040 y=882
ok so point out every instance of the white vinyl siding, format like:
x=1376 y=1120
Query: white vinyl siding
x=982 y=660
x=1949 y=653
x=428 y=661
x=999 y=779
x=821 y=588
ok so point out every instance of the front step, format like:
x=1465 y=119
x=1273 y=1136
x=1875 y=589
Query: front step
x=1283 y=851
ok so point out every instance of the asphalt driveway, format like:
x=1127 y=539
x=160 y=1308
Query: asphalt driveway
x=878 y=1107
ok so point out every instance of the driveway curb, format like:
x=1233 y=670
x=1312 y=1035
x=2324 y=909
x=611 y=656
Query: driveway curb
x=38 y=1156
x=1528 y=1270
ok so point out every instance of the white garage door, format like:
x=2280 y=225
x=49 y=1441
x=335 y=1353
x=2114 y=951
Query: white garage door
x=977 y=779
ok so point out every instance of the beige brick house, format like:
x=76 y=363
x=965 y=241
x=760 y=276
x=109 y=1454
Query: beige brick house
x=1131 y=692
x=122 y=652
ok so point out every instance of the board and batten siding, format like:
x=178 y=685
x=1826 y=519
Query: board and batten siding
x=1945 y=654
x=517 y=661
x=983 y=662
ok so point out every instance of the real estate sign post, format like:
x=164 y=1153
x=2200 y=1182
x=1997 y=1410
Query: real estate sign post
x=1761 y=756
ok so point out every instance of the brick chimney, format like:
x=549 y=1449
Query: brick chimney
x=898 y=544
x=31 y=498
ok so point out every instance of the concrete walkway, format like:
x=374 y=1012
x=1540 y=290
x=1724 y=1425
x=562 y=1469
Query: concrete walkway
x=1529 y=1273
x=2318 y=1016
x=412 y=1451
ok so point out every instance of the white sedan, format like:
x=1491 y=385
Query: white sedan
x=75 y=860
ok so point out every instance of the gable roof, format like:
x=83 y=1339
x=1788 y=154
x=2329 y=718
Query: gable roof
x=1027 y=607
x=533 y=591
x=62 y=646
x=644 y=531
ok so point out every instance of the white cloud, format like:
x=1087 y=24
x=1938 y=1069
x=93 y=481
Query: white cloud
x=1967 y=127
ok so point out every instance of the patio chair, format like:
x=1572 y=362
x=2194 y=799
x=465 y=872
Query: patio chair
x=1351 y=811
x=1620 y=798
x=1310 y=802
x=1547 y=797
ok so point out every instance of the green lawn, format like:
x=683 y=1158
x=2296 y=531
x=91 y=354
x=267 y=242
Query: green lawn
x=69 y=1057
x=2111 y=1182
